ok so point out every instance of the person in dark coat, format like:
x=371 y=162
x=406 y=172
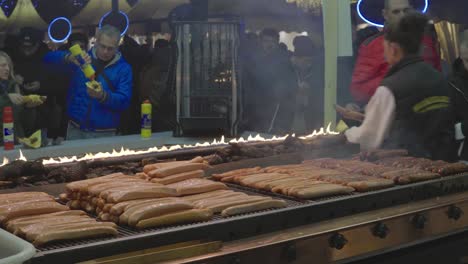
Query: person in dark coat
x=458 y=81
x=308 y=65
x=272 y=92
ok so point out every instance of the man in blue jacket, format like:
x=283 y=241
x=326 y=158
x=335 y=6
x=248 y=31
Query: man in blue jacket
x=96 y=112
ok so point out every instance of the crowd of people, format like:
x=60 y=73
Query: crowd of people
x=283 y=90
x=63 y=106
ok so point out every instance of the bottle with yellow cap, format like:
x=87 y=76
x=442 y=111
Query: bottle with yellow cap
x=87 y=68
x=146 y=110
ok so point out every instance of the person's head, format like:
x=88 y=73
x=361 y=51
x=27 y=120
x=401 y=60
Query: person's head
x=6 y=67
x=80 y=39
x=404 y=38
x=302 y=57
x=269 y=40
x=161 y=44
x=464 y=48
x=107 y=42
x=29 y=40
x=394 y=10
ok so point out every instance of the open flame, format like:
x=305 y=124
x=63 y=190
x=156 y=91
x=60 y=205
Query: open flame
x=128 y=152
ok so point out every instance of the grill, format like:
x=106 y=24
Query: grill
x=297 y=212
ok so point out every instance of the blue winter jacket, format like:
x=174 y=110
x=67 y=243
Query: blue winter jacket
x=89 y=113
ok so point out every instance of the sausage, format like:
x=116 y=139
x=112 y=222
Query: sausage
x=84 y=204
x=252 y=207
x=142 y=175
x=219 y=207
x=423 y=176
x=189 y=216
x=32 y=209
x=7 y=196
x=107 y=207
x=74 y=233
x=226 y=197
x=90 y=208
x=10 y=202
x=196 y=186
x=23 y=229
x=168 y=171
x=94 y=201
x=321 y=190
x=201 y=196
x=197 y=159
x=146 y=192
x=105 y=217
x=237 y=172
x=151 y=167
x=370 y=185
x=283 y=187
x=83 y=185
x=160 y=165
x=106 y=193
x=100 y=203
x=453 y=168
x=179 y=177
x=40 y=229
x=118 y=209
x=114 y=218
x=42 y=217
x=273 y=184
x=252 y=180
x=95 y=190
x=157 y=209
x=131 y=208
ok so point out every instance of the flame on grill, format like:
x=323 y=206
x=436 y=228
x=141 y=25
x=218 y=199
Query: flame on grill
x=128 y=152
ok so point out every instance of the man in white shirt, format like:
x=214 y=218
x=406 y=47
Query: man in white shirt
x=409 y=109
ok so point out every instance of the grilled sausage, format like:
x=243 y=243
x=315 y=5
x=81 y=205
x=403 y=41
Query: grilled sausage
x=253 y=207
x=189 y=216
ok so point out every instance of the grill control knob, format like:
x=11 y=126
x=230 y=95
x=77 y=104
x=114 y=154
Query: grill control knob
x=380 y=230
x=337 y=241
x=454 y=212
x=419 y=221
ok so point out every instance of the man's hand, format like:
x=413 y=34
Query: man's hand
x=95 y=90
x=353 y=107
x=32 y=86
x=346 y=113
x=16 y=98
x=87 y=59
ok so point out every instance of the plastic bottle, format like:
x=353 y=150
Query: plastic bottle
x=146 y=119
x=87 y=68
x=8 y=130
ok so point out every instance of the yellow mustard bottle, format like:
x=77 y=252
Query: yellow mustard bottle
x=87 y=68
x=146 y=110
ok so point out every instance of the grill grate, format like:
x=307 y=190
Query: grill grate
x=124 y=232
x=445 y=185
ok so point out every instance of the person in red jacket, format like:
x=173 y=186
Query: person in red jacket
x=371 y=66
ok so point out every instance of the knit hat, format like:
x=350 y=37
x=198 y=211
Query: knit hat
x=303 y=47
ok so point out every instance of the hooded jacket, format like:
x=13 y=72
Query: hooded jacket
x=92 y=114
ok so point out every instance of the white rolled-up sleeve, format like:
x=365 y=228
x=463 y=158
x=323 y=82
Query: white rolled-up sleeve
x=380 y=114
